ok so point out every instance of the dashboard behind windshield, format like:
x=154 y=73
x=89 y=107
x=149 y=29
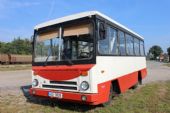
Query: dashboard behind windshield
x=73 y=42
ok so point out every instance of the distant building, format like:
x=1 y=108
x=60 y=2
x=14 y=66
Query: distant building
x=163 y=57
x=166 y=57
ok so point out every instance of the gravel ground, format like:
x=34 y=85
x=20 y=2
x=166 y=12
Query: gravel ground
x=156 y=72
x=13 y=81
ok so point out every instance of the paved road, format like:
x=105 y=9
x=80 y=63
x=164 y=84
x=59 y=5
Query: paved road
x=156 y=72
x=14 y=80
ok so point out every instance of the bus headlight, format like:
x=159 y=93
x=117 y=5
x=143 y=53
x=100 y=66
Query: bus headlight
x=35 y=82
x=84 y=86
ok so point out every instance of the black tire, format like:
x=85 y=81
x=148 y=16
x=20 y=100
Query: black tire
x=136 y=85
x=140 y=80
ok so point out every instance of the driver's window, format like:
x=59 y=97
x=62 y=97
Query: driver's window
x=103 y=43
x=108 y=44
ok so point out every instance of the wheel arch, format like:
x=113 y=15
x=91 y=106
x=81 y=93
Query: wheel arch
x=116 y=86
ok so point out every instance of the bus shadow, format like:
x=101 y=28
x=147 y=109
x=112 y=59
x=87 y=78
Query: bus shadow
x=54 y=103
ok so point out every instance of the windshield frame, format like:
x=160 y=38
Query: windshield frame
x=90 y=60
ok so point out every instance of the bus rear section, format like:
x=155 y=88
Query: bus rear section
x=84 y=58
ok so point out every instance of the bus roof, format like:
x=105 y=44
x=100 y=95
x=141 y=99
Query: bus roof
x=81 y=15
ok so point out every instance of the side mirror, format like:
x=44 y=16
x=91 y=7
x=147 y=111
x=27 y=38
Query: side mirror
x=102 y=31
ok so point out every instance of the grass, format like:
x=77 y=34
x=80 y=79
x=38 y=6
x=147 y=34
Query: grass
x=168 y=64
x=14 y=67
x=150 y=98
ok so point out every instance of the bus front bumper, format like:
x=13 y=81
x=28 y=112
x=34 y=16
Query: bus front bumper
x=91 y=99
x=83 y=98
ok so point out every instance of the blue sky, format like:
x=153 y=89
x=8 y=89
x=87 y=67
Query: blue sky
x=149 y=18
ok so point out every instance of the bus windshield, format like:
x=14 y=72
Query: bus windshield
x=64 y=43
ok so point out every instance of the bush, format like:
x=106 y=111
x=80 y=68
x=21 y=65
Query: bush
x=17 y=46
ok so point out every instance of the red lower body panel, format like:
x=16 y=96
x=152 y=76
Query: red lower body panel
x=129 y=80
x=143 y=73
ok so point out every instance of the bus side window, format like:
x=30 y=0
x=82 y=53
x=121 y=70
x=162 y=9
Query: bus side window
x=142 y=53
x=129 y=44
x=113 y=45
x=136 y=46
x=103 y=42
x=122 y=43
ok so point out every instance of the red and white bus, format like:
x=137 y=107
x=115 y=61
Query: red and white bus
x=86 y=58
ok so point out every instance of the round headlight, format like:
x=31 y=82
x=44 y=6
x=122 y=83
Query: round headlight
x=84 y=85
x=35 y=82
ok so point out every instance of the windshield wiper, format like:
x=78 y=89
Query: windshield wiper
x=45 y=63
x=68 y=59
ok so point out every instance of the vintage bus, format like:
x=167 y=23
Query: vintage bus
x=86 y=58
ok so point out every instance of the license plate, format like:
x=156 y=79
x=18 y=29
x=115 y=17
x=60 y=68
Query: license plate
x=55 y=95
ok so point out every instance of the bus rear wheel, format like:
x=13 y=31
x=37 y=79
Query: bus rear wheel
x=135 y=86
x=139 y=82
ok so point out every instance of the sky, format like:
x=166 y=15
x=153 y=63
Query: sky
x=149 y=18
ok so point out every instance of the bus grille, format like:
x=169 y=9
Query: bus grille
x=61 y=85
x=64 y=82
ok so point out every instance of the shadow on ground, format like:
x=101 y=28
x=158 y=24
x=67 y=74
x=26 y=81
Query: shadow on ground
x=55 y=103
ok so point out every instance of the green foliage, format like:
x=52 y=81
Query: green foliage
x=155 y=50
x=17 y=46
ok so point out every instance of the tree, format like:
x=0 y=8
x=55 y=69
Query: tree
x=17 y=46
x=156 y=51
x=2 y=46
x=21 y=46
x=168 y=50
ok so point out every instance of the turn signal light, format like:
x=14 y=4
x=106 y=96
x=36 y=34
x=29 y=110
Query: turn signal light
x=34 y=73
x=84 y=73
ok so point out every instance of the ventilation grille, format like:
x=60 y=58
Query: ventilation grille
x=61 y=85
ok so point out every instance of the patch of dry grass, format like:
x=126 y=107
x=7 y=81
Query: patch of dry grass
x=14 y=67
x=168 y=64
